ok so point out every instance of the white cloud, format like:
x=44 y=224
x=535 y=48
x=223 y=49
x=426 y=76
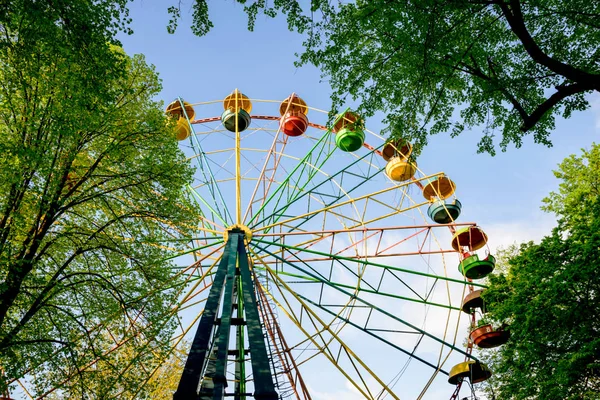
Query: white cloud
x=504 y=234
x=349 y=393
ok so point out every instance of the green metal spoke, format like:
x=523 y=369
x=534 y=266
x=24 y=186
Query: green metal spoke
x=302 y=163
x=369 y=263
x=386 y=313
x=276 y=244
x=193 y=250
x=309 y=279
x=197 y=147
x=200 y=201
x=284 y=273
x=312 y=172
x=212 y=210
x=335 y=198
x=370 y=333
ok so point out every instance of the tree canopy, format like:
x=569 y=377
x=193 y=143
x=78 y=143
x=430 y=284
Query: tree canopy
x=548 y=294
x=442 y=66
x=91 y=197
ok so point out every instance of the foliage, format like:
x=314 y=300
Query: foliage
x=549 y=296
x=202 y=24
x=510 y=66
x=119 y=375
x=165 y=380
x=579 y=189
x=91 y=183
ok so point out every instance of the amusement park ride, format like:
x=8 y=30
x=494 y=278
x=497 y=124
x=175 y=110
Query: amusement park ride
x=237 y=289
x=326 y=264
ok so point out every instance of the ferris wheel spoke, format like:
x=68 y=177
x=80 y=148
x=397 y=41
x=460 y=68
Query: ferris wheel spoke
x=206 y=251
x=372 y=239
x=320 y=152
x=276 y=156
x=335 y=203
x=374 y=289
x=357 y=259
x=290 y=310
x=303 y=279
x=278 y=259
x=279 y=346
x=372 y=333
x=320 y=188
x=318 y=339
x=371 y=305
x=213 y=212
x=209 y=178
x=344 y=352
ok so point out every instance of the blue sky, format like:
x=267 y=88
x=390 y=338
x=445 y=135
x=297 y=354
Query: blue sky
x=502 y=193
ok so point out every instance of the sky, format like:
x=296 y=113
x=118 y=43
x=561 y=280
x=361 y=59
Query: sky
x=502 y=194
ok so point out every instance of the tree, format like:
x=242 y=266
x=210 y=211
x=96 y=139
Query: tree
x=548 y=294
x=119 y=374
x=438 y=66
x=91 y=193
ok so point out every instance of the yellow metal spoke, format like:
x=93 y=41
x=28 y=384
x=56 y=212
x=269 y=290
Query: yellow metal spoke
x=349 y=352
x=349 y=201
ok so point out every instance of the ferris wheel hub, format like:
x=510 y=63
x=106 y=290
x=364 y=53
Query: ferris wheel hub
x=239 y=227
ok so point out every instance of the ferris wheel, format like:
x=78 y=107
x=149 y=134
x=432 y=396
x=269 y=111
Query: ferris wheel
x=324 y=263
x=331 y=259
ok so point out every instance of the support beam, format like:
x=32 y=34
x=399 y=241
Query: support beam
x=206 y=369
x=263 y=381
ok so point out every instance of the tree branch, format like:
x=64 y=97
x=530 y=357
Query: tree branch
x=514 y=17
x=561 y=93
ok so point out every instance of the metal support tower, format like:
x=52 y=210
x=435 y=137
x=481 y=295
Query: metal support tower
x=205 y=374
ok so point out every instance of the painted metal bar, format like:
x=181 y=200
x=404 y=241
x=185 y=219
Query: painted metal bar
x=369 y=332
x=212 y=210
x=264 y=388
x=364 y=262
x=238 y=172
x=386 y=313
x=289 y=176
x=364 y=229
x=204 y=161
x=329 y=179
x=206 y=223
x=262 y=174
x=325 y=350
x=361 y=289
x=220 y=376
x=343 y=203
x=291 y=368
x=218 y=242
x=312 y=172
